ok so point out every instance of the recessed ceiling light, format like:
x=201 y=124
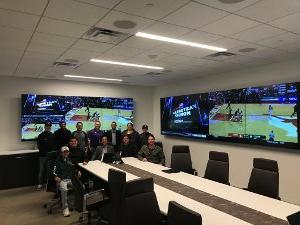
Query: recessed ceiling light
x=126 y=64
x=125 y=24
x=178 y=41
x=93 y=78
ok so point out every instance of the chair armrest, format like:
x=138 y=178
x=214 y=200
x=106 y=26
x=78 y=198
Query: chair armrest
x=94 y=197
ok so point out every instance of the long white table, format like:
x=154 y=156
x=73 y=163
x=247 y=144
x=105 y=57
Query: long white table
x=211 y=216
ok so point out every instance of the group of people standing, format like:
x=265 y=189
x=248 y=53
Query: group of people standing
x=81 y=147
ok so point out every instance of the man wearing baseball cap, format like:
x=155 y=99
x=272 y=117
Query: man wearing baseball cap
x=45 y=143
x=62 y=174
x=144 y=135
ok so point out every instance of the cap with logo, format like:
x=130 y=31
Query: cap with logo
x=64 y=148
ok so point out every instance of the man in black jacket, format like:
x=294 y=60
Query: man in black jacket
x=62 y=135
x=114 y=136
x=127 y=149
x=63 y=172
x=45 y=143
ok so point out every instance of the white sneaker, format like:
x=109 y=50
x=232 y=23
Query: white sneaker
x=39 y=187
x=66 y=212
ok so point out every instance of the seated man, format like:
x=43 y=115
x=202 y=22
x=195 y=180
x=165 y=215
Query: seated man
x=127 y=149
x=63 y=174
x=151 y=152
x=103 y=148
x=77 y=154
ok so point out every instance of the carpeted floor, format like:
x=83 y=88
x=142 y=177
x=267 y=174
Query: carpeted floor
x=24 y=206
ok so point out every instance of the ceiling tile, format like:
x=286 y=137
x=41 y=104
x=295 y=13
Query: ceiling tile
x=279 y=40
x=74 y=11
x=257 y=33
x=194 y=15
x=268 y=10
x=227 y=43
x=13 y=34
x=141 y=43
x=102 y=3
x=108 y=22
x=290 y=22
x=149 y=56
x=46 y=49
x=9 y=60
x=29 y=6
x=92 y=46
x=80 y=55
x=154 y=9
x=200 y=37
x=63 y=28
x=230 y=7
x=11 y=44
x=52 y=39
x=229 y=25
x=119 y=53
x=165 y=29
x=38 y=56
x=18 y=20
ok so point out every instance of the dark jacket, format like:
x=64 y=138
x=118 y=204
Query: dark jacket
x=129 y=150
x=95 y=137
x=155 y=156
x=134 y=138
x=45 y=143
x=62 y=137
x=63 y=168
x=108 y=134
x=77 y=155
x=98 y=153
x=144 y=138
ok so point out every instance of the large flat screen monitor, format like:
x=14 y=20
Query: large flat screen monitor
x=265 y=115
x=37 y=109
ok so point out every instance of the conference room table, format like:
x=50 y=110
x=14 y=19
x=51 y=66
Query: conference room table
x=217 y=203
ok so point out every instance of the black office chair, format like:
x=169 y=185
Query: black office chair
x=51 y=184
x=179 y=215
x=140 y=203
x=217 y=168
x=85 y=202
x=181 y=159
x=116 y=182
x=294 y=219
x=159 y=143
x=264 y=178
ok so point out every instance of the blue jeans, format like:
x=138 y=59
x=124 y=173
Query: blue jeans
x=63 y=187
x=42 y=169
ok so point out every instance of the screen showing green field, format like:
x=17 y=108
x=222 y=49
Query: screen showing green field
x=261 y=114
x=37 y=109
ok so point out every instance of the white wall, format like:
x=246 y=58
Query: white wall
x=240 y=156
x=10 y=103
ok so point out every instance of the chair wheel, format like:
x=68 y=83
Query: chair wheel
x=49 y=211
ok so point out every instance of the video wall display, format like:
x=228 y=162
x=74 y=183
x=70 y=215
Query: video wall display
x=37 y=109
x=255 y=115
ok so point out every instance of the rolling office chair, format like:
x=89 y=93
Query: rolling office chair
x=85 y=202
x=178 y=215
x=217 y=168
x=264 y=178
x=129 y=198
x=51 y=184
x=181 y=159
x=140 y=203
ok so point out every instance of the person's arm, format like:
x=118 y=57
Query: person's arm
x=39 y=142
x=162 y=157
x=141 y=155
x=86 y=141
x=96 y=154
x=57 y=172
